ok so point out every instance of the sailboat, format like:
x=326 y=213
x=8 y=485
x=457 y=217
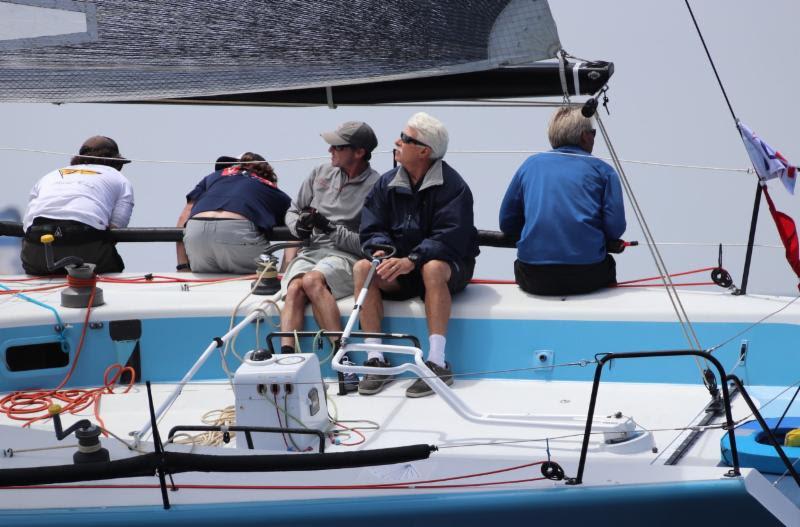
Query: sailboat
x=672 y=405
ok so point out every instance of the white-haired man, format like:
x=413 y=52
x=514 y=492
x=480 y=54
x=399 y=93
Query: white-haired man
x=566 y=208
x=424 y=209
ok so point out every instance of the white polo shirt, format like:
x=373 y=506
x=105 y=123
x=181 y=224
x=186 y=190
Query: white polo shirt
x=96 y=195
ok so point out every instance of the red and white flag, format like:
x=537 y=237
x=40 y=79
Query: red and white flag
x=768 y=162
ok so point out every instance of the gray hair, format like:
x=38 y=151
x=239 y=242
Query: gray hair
x=430 y=131
x=566 y=127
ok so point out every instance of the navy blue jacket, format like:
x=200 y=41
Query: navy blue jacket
x=435 y=221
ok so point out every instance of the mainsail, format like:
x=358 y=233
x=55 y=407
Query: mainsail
x=282 y=51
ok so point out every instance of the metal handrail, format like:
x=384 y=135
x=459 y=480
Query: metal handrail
x=324 y=333
x=763 y=424
x=248 y=432
x=602 y=360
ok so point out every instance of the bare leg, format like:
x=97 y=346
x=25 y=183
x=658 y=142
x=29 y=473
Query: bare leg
x=293 y=309
x=438 y=301
x=288 y=255
x=326 y=312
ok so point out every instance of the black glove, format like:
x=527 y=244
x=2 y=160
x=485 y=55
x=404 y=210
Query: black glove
x=305 y=224
x=322 y=223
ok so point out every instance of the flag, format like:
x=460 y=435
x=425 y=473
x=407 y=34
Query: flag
x=768 y=162
x=788 y=233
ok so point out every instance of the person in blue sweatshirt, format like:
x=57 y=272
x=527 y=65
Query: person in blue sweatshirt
x=566 y=208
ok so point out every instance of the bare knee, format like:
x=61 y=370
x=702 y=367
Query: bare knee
x=361 y=268
x=435 y=272
x=295 y=292
x=314 y=283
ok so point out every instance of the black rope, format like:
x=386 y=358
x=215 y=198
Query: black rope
x=756 y=206
x=713 y=66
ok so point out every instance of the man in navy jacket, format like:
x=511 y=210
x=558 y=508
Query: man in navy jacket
x=424 y=209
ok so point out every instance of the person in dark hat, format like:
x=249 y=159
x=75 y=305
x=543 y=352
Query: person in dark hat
x=77 y=205
x=229 y=215
x=327 y=212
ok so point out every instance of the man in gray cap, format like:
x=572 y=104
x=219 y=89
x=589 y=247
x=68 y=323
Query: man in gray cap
x=77 y=204
x=327 y=212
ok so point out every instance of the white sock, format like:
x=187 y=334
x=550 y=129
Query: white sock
x=436 y=353
x=374 y=354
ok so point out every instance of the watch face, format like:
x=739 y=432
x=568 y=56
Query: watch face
x=413 y=257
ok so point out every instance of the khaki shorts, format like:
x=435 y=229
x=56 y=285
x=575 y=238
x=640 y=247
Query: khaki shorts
x=335 y=266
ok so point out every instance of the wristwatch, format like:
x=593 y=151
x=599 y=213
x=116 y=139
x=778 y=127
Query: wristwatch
x=414 y=257
x=181 y=267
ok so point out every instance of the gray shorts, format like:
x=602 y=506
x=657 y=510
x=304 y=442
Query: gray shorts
x=336 y=266
x=223 y=245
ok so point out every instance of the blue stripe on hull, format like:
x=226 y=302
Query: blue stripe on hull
x=170 y=346
x=694 y=503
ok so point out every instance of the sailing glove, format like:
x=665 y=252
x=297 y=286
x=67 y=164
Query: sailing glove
x=305 y=224
x=322 y=223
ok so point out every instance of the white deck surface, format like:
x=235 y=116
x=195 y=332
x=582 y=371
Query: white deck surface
x=148 y=300
x=428 y=420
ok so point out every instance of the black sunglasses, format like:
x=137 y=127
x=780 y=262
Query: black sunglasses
x=339 y=148
x=407 y=139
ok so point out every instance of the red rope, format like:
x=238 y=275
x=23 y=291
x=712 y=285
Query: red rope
x=419 y=484
x=704 y=269
x=628 y=283
x=31 y=289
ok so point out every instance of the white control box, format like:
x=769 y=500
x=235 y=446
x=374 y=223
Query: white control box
x=284 y=391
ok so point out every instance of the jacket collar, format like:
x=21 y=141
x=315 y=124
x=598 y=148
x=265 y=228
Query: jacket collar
x=358 y=179
x=572 y=149
x=432 y=178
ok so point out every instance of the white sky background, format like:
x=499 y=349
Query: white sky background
x=665 y=106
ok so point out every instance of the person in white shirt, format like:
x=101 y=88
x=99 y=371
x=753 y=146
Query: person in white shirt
x=77 y=205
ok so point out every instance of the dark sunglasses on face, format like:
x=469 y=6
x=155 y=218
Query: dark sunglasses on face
x=339 y=148
x=407 y=139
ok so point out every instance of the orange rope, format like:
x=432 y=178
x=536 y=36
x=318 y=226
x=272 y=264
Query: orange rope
x=32 y=406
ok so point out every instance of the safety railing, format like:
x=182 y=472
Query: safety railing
x=729 y=425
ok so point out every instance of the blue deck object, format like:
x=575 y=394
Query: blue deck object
x=754 y=448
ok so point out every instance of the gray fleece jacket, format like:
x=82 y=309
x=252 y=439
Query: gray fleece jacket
x=338 y=198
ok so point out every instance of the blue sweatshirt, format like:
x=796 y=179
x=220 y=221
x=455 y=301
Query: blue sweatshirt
x=563 y=208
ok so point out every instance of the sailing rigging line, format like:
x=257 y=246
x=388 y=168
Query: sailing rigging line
x=759 y=190
x=581 y=363
x=669 y=286
x=751 y=326
x=713 y=66
x=450 y=152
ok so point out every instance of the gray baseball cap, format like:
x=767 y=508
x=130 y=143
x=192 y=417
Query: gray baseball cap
x=356 y=133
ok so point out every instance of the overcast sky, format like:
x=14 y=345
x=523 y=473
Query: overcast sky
x=665 y=107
